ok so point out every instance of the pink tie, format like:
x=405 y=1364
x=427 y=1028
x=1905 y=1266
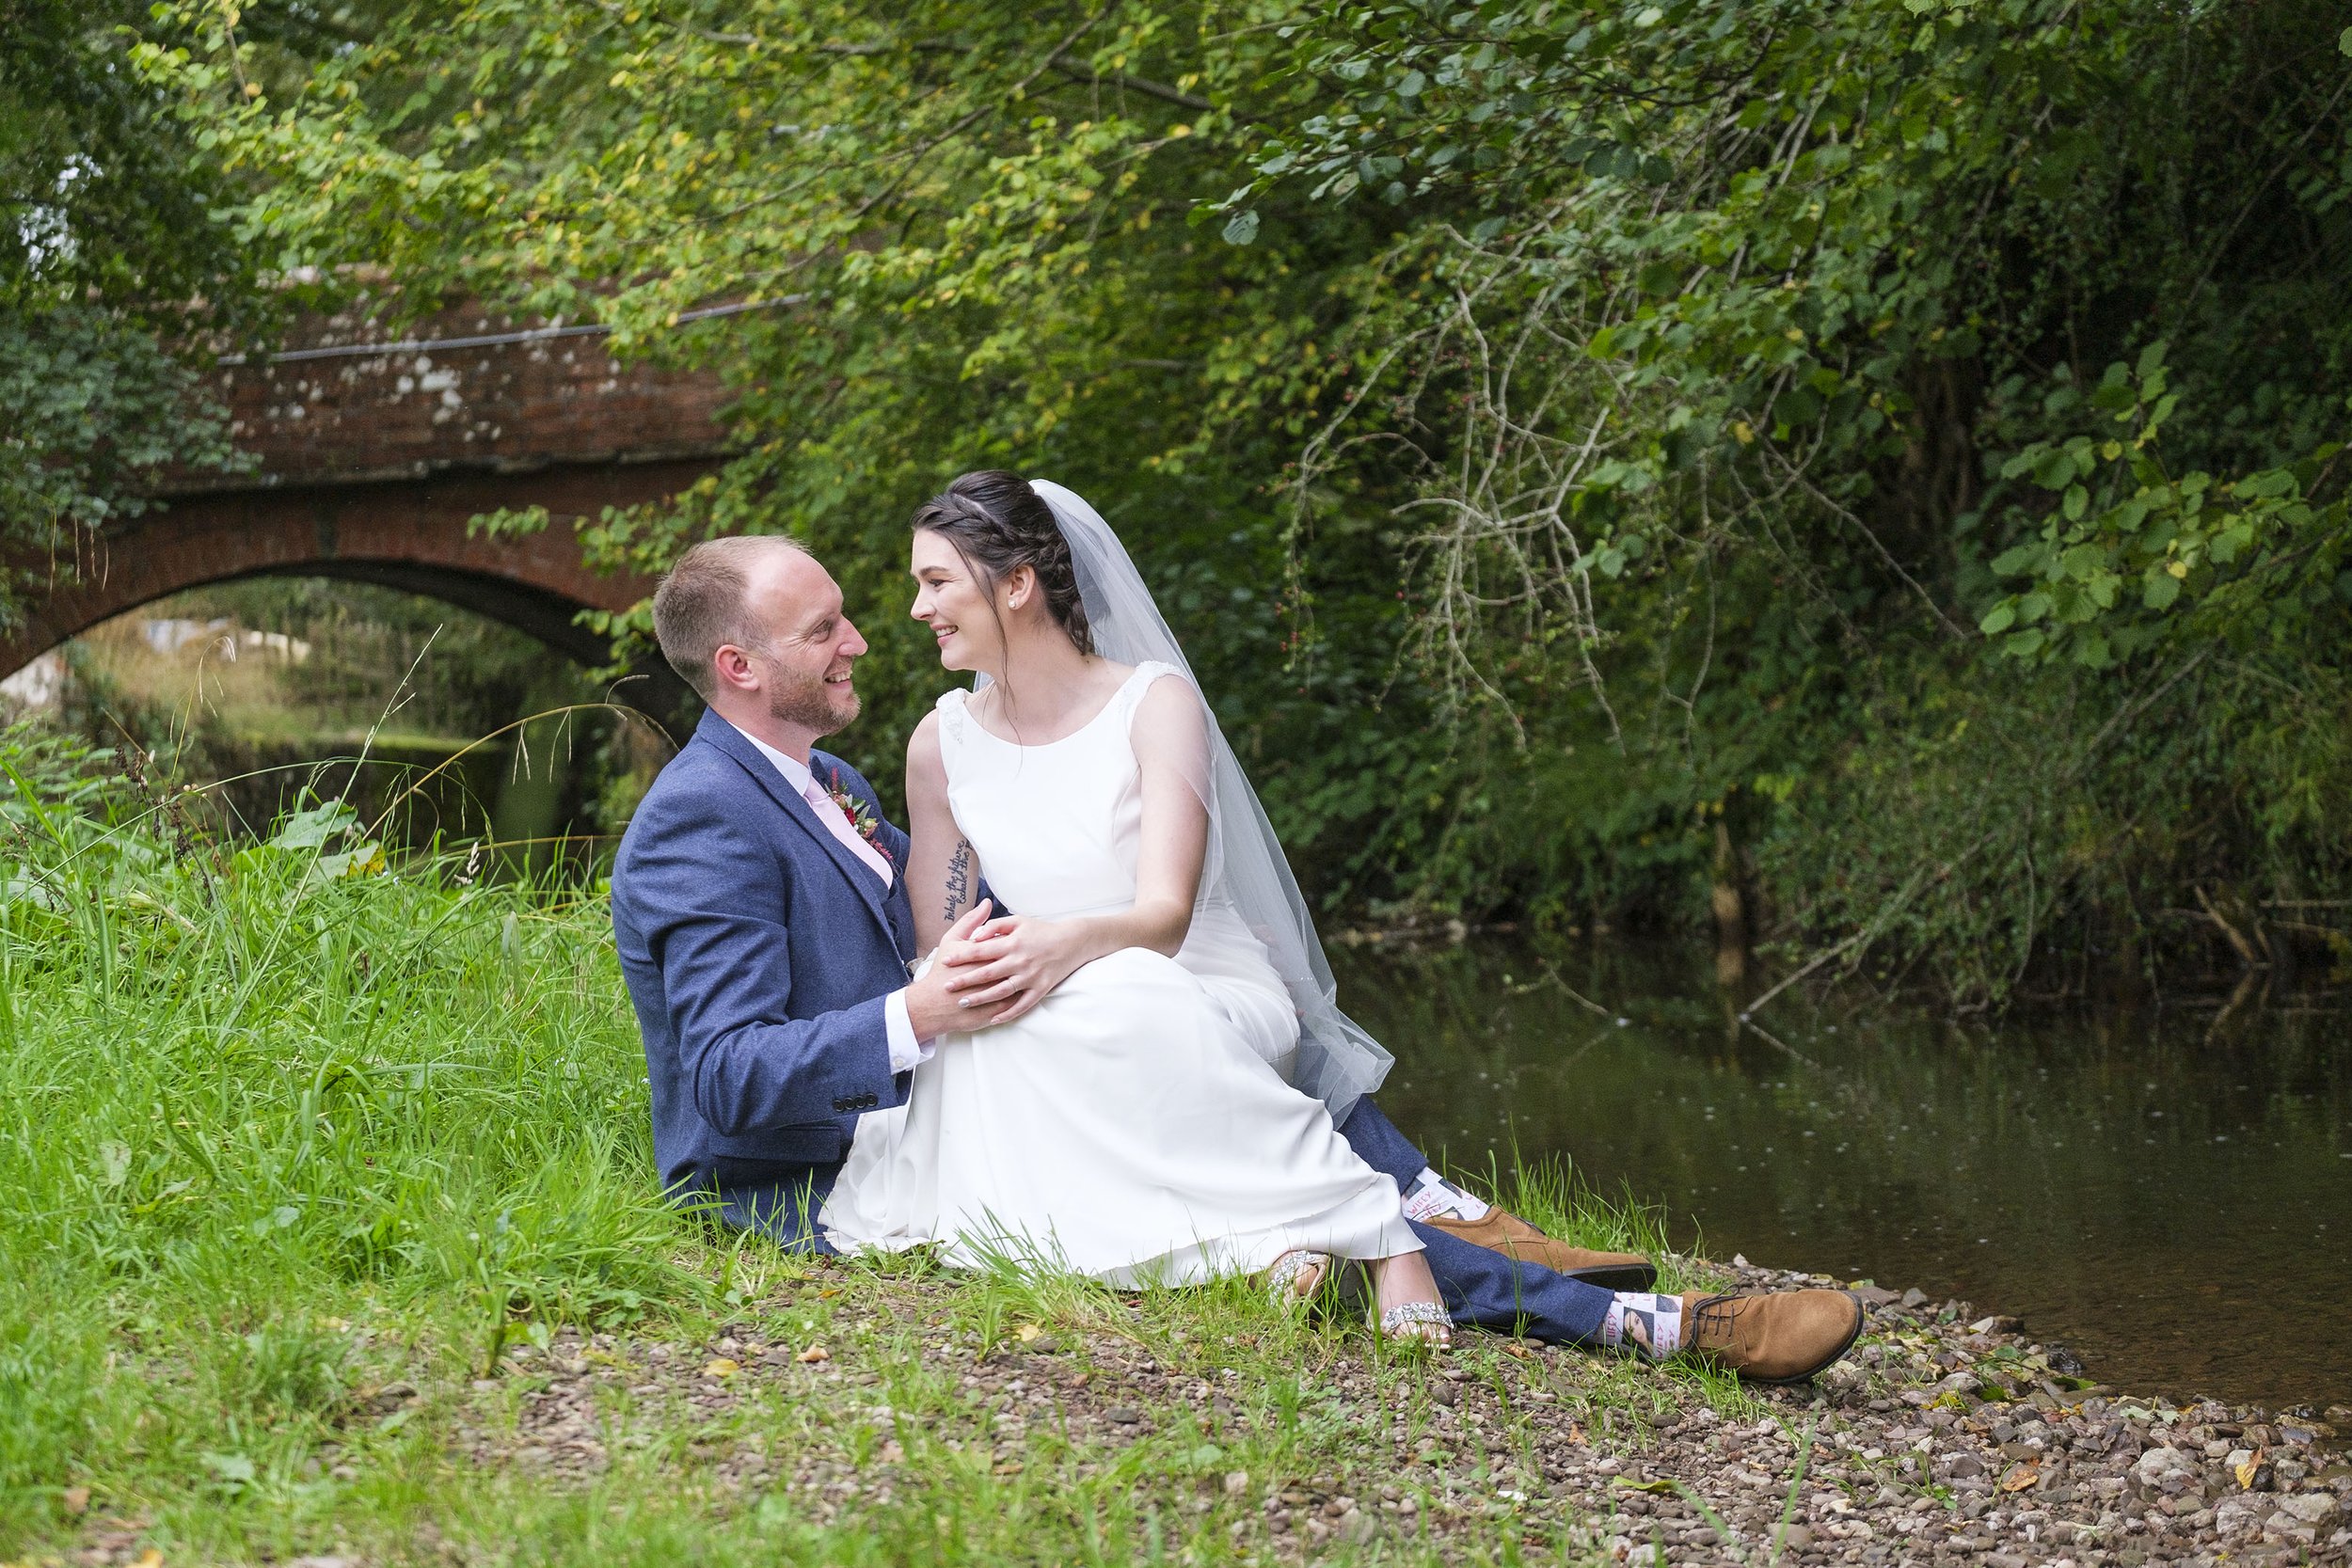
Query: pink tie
x=829 y=812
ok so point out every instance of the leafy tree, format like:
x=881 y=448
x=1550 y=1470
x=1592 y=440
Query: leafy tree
x=1754 y=375
x=118 y=281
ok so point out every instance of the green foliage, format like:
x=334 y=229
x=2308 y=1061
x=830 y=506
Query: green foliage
x=1570 y=438
x=115 y=277
x=1756 y=333
x=1729 y=252
x=95 y=405
x=2130 y=556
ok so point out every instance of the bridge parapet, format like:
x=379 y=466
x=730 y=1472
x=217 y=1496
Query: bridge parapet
x=346 y=400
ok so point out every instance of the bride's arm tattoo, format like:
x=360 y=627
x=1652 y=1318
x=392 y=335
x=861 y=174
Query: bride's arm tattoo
x=959 y=879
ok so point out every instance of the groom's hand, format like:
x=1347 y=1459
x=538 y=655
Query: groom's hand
x=931 y=1007
x=1013 y=963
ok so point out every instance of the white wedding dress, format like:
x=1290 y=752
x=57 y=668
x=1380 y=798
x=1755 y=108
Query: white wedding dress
x=1134 y=1126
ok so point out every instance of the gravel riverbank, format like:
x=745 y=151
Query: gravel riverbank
x=1947 y=1437
x=843 y=1413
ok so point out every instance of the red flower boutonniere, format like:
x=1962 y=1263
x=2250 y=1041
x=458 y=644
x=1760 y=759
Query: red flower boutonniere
x=861 y=816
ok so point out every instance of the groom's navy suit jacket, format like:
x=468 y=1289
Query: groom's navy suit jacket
x=759 y=950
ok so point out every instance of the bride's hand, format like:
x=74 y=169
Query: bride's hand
x=1016 y=961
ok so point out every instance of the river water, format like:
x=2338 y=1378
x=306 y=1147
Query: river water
x=2167 y=1191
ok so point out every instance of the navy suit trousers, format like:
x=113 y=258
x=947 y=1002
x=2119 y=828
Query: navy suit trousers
x=1482 y=1288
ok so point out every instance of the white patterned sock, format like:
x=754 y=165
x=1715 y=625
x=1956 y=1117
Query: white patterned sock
x=1648 y=1323
x=1431 y=1197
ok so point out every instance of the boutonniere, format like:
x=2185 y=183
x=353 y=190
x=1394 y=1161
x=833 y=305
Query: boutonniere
x=861 y=816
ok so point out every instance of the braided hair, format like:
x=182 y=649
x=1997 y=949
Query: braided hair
x=998 y=524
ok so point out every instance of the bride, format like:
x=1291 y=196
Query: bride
x=1122 y=1105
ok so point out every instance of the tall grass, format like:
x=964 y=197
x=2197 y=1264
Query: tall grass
x=246 y=1088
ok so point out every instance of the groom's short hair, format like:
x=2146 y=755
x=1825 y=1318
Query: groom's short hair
x=699 y=607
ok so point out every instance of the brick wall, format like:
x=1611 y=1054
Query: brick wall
x=426 y=410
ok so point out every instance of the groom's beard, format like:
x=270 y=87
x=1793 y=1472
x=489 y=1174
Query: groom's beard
x=812 y=706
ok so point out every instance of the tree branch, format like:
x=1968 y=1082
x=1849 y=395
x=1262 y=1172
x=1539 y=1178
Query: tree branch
x=1125 y=82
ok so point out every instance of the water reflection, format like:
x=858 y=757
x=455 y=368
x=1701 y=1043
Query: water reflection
x=2169 y=1194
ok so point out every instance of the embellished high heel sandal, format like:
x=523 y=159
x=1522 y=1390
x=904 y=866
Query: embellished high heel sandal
x=1425 y=1322
x=1281 y=1278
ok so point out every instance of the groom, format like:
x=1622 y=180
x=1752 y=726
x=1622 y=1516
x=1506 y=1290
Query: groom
x=766 y=935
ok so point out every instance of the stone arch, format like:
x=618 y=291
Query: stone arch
x=410 y=534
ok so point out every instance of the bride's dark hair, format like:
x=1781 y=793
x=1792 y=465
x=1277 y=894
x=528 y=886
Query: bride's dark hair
x=998 y=525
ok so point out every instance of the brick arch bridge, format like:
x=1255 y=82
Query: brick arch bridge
x=375 y=456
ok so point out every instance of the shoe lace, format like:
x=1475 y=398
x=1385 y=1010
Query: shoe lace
x=1711 y=1319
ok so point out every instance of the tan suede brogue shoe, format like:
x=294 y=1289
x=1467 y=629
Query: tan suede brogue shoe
x=1506 y=1233
x=1780 y=1337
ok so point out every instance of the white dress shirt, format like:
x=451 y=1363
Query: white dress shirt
x=905 y=1050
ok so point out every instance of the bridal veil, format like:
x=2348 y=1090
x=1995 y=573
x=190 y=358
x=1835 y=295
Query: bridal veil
x=1337 y=1061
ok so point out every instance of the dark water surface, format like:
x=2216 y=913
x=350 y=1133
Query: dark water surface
x=2168 y=1192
